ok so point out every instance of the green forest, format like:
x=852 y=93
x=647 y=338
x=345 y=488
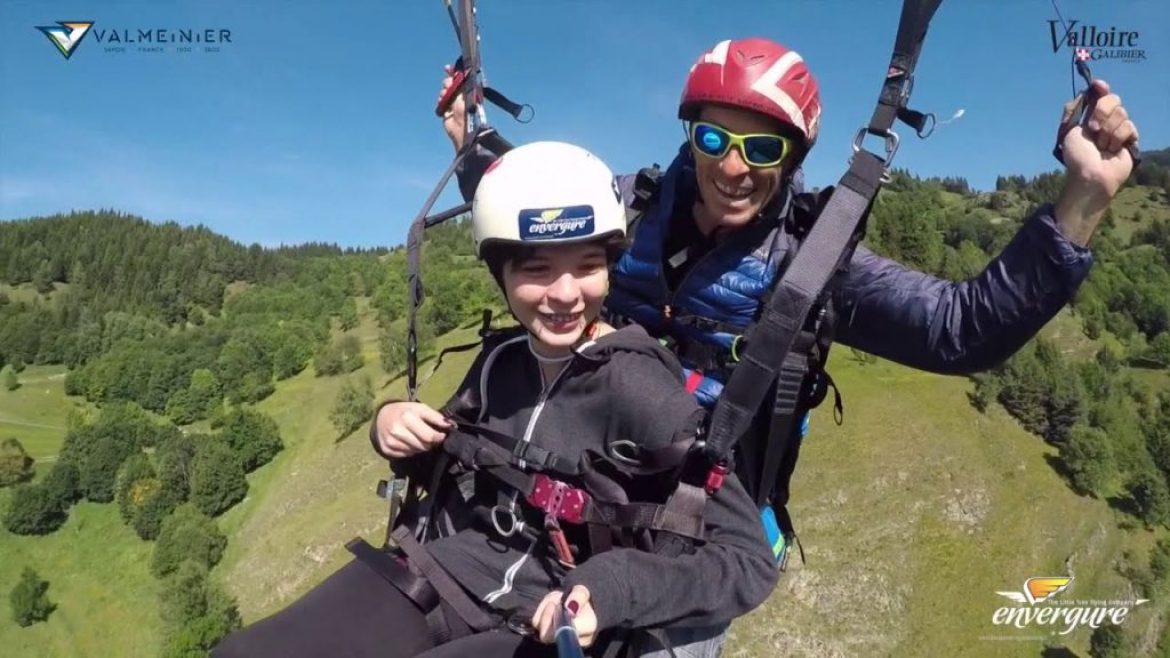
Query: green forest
x=169 y=344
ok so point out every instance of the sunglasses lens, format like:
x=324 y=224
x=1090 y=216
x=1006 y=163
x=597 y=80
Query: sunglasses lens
x=764 y=149
x=710 y=140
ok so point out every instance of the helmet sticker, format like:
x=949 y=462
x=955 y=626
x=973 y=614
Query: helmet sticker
x=768 y=85
x=556 y=223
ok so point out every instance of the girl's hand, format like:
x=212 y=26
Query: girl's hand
x=584 y=618
x=408 y=428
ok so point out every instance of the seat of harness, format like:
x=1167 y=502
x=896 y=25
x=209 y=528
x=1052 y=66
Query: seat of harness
x=589 y=493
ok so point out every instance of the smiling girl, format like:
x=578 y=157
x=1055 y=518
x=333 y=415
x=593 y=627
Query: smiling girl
x=548 y=222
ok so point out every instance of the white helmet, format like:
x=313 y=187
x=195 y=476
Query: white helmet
x=546 y=193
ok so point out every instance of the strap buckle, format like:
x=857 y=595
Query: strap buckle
x=558 y=500
x=715 y=478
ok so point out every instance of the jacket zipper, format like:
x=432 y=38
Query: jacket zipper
x=535 y=416
x=510 y=573
x=673 y=294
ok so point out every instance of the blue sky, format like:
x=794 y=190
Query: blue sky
x=315 y=123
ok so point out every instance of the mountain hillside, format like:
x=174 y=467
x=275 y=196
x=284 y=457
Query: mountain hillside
x=934 y=496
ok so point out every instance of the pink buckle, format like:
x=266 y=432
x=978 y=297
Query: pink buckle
x=715 y=478
x=558 y=500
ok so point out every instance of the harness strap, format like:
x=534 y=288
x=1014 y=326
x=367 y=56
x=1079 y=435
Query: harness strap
x=704 y=323
x=522 y=453
x=683 y=511
x=912 y=26
x=682 y=514
x=781 y=430
x=706 y=357
x=684 y=517
x=448 y=590
x=826 y=249
x=774 y=336
x=602 y=506
x=413 y=587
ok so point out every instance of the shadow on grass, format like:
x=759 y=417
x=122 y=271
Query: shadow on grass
x=1122 y=503
x=1061 y=469
x=1125 y=505
x=1058 y=652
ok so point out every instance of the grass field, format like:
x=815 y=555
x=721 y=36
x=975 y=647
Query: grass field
x=1133 y=208
x=35 y=413
x=99 y=579
x=913 y=514
x=25 y=292
x=289 y=534
x=97 y=567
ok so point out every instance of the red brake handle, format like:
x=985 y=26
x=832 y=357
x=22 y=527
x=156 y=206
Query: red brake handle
x=455 y=89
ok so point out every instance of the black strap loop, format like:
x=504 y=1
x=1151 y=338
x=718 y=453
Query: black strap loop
x=449 y=590
x=414 y=587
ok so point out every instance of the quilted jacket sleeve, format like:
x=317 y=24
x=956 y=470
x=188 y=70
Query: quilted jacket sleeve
x=950 y=327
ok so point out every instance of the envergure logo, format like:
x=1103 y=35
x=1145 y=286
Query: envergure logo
x=1036 y=605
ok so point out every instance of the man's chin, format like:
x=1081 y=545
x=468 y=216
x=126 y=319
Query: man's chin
x=733 y=217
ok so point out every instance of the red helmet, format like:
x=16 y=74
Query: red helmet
x=758 y=75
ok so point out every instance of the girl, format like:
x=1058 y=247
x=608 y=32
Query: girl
x=567 y=389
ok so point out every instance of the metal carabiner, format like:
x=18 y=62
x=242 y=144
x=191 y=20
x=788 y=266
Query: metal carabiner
x=891 y=142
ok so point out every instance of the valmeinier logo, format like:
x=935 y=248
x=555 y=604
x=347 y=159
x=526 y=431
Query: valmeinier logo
x=556 y=223
x=1095 y=42
x=66 y=35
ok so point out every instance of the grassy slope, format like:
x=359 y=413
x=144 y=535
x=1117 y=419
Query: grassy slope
x=25 y=292
x=35 y=413
x=913 y=514
x=97 y=568
x=1132 y=202
x=965 y=504
x=99 y=578
x=318 y=493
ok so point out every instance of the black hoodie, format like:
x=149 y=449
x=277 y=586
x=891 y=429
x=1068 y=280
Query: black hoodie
x=623 y=386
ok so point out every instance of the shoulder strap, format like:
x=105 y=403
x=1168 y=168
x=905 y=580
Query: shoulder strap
x=772 y=341
x=640 y=193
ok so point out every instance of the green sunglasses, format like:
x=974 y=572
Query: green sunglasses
x=758 y=150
